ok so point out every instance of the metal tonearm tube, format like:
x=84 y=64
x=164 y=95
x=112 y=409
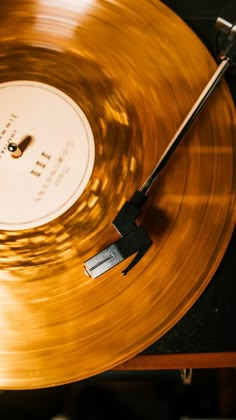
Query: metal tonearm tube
x=134 y=239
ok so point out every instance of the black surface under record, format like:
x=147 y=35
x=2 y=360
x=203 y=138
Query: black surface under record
x=209 y=326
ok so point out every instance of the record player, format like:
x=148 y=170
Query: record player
x=205 y=336
x=114 y=114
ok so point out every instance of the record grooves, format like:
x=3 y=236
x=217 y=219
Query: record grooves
x=119 y=64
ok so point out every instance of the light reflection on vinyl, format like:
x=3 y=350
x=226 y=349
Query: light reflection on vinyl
x=118 y=61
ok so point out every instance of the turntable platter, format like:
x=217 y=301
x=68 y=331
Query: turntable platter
x=101 y=88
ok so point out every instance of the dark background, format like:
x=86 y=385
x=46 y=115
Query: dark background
x=209 y=326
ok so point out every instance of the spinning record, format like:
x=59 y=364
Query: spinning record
x=91 y=94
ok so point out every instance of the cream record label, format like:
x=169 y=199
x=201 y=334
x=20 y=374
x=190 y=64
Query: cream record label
x=46 y=154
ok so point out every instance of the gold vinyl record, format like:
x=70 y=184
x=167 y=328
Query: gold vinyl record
x=95 y=90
